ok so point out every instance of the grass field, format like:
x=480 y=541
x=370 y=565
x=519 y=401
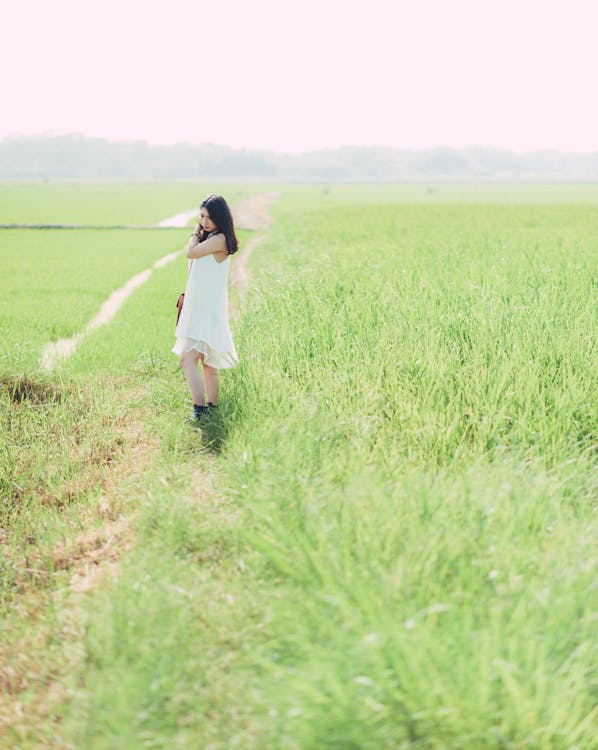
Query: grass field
x=102 y=203
x=387 y=538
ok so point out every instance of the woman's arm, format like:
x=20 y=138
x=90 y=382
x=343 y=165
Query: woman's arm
x=196 y=249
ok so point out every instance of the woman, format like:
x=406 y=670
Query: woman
x=202 y=332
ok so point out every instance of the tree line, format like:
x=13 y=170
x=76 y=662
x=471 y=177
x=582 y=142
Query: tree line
x=76 y=156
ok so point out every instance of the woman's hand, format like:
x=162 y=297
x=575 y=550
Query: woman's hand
x=194 y=238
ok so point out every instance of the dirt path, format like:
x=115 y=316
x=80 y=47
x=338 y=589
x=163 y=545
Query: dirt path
x=251 y=213
x=178 y=220
x=254 y=212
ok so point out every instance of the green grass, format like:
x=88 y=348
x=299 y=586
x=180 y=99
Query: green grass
x=102 y=203
x=54 y=282
x=396 y=546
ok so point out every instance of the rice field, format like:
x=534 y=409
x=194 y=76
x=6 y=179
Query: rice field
x=387 y=538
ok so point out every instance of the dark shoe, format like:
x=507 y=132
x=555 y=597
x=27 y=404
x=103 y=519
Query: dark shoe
x=200 y=412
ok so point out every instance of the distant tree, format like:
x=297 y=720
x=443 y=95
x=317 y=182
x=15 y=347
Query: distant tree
x=76 y=156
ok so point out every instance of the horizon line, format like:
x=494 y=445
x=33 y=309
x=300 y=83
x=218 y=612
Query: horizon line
x=292 y=152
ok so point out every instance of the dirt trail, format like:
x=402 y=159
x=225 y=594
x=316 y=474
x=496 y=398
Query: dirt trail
x=254 y=214
x=251 y=213
x=178 y=220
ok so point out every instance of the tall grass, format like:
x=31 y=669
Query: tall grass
x=410 y=442
x=396 y=544
x=417 y=459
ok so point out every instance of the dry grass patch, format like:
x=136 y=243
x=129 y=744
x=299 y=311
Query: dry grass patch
x=44 y=577
x=19 y=388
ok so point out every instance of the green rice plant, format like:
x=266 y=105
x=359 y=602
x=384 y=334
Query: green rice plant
x=415 y=449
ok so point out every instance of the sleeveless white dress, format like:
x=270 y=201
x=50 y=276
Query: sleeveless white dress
x=203 y=324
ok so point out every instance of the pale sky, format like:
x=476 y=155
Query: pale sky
x=297 y=76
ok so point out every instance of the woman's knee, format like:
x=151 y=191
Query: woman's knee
x=189 y=359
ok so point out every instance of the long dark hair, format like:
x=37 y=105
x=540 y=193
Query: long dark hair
x=220 y=214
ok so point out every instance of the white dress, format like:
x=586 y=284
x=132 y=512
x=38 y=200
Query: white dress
x=203 y=324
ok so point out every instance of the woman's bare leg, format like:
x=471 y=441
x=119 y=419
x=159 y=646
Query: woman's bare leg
x=189 y=362
x=212 y=378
